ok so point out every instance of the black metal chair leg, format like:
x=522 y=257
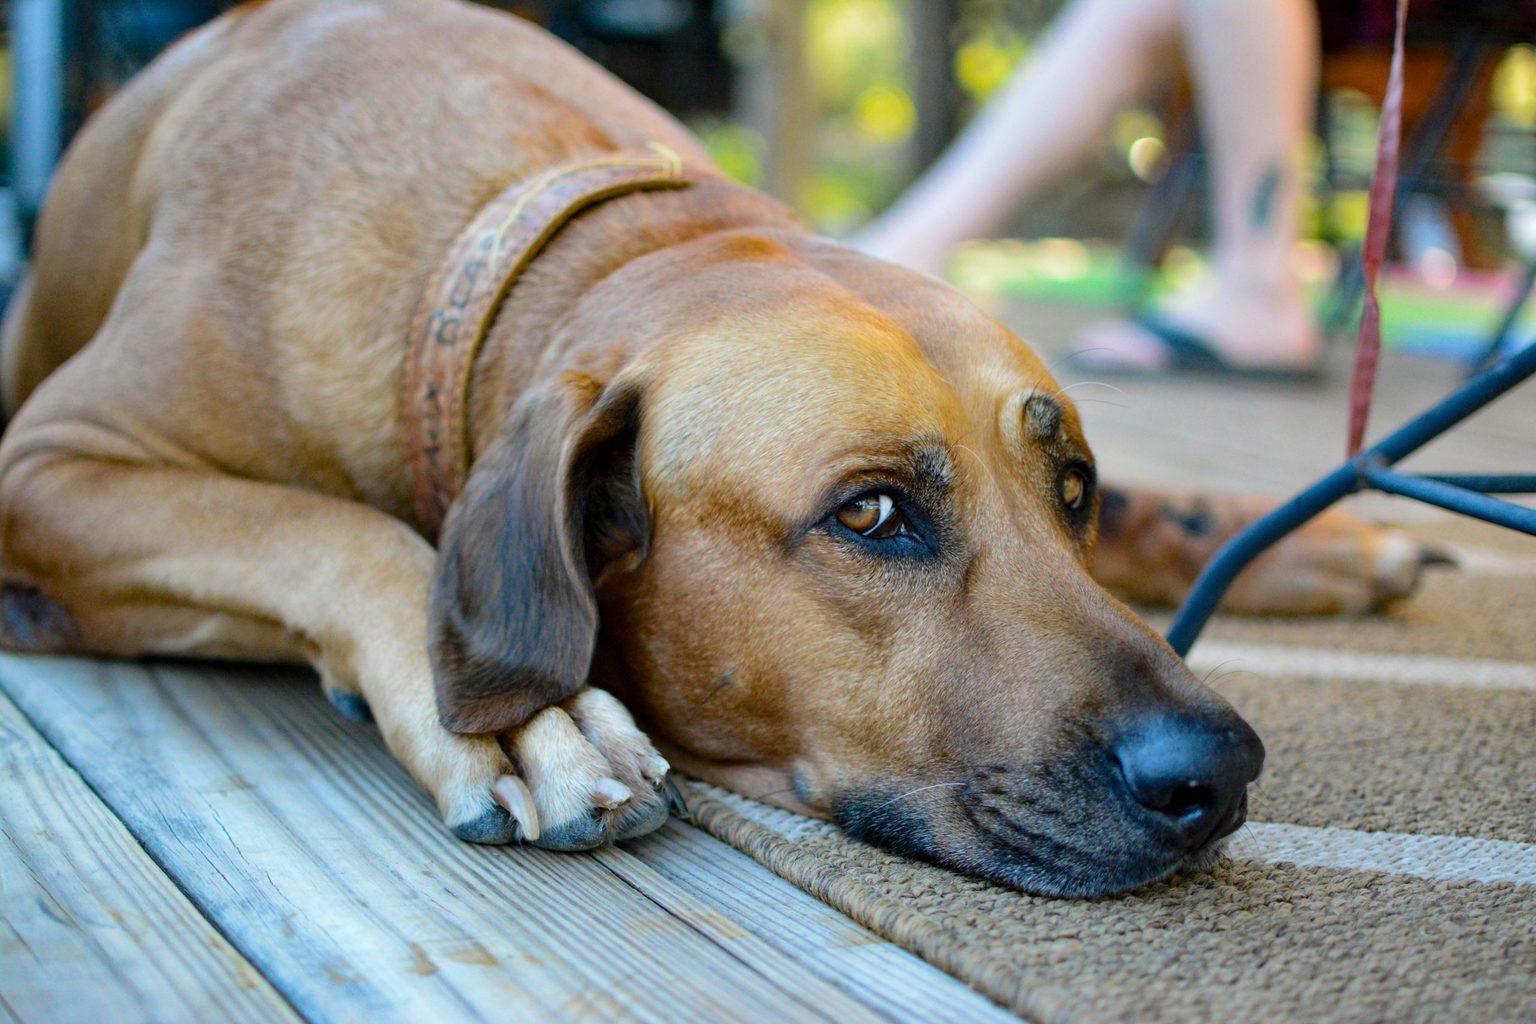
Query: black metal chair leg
x=1357 y=474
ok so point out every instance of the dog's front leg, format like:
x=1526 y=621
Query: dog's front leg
x=126 y=558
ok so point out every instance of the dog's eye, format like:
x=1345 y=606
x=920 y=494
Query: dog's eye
x=1074 y=489
x=874 y=516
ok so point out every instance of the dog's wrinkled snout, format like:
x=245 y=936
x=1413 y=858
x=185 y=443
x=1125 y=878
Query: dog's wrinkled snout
x=1190 y=771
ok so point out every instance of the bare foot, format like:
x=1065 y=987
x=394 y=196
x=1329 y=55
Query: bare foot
x=1252 y=332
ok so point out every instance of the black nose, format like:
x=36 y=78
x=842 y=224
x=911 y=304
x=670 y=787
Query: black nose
x=1191 y=770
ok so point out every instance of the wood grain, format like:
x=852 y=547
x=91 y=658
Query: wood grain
x=876 y=972
x=299 y=836
x=1188 y=430
x=90 y=929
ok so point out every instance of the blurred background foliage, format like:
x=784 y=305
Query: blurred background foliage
x=859 y=62
x=837 y=105
x=862 y=66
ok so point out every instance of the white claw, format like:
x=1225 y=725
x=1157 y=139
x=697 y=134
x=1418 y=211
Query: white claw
x=511 y=793
x=610 y=793
x=656 y=769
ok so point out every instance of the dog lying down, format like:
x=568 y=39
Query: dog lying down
x=396 y=338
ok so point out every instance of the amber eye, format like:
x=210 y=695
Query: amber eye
x=874 y=516
x=1074 y=489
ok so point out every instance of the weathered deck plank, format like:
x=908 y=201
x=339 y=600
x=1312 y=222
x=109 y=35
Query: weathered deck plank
x=90 y=928
x=874 y=971
x=1206 y=433
x=297 y=834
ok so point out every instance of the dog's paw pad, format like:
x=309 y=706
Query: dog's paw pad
x=494 y=827
x=593 y=779
x=583 y=832
x=607 y=725
x=572 y=787
x=646 y=816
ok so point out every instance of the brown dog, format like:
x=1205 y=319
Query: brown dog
x=835 y=523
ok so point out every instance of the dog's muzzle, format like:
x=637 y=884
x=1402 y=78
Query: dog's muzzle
x=1120 y=805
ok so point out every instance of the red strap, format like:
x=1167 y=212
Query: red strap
x=1378 y=229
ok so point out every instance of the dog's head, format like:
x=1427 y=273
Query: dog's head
x=827 y=529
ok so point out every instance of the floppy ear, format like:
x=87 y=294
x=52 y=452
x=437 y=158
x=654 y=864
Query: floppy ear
x=513 y=613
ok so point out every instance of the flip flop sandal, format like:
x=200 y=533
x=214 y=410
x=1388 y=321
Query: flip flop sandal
x=1189 y=354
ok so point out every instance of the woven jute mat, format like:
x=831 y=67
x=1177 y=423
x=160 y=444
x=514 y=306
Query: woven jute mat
x=1389 y=872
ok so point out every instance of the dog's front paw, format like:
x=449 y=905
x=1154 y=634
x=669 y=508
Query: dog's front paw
x=593 y=775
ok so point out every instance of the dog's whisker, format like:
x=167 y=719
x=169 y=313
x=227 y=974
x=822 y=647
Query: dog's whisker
x=979 y=461
x=1238 y=842
x=1051 y=365
x=1233 y=673
x=1092 y=384
x=921 y=789
x=1221 y=665
x=1258 y=798
x=1074 y=353
x=1217 y=668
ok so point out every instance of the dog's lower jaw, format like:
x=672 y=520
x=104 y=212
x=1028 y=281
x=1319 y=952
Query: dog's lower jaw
x=1038 y=862
x=1096 y=879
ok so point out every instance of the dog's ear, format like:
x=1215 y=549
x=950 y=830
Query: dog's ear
x=556 y=499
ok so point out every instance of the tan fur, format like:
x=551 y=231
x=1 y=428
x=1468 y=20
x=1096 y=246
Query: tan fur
x=1154 y=544
x=206 y=456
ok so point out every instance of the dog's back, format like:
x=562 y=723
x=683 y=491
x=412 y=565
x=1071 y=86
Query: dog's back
x=89 y=235
x=264 y=151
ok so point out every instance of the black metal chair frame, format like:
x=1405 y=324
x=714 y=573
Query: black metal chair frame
x=1494 y=373
x=1468 y=494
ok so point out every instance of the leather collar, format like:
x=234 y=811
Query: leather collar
x=467 y=290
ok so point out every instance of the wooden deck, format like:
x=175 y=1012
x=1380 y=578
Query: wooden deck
x=194 y=843
x=1275 y=438
x=200 y=843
